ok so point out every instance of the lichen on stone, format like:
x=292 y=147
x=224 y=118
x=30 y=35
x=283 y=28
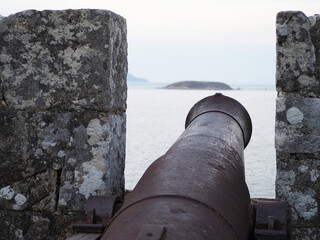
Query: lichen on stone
x=297 y=126
x=62 y=80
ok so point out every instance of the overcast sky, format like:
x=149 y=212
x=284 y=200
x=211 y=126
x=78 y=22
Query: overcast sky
x=172 y=40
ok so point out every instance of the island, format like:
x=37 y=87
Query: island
x=199 y=85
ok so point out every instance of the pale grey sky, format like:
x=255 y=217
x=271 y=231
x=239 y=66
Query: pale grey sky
x=173 y=40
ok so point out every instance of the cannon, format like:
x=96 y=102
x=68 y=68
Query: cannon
x=197 y=189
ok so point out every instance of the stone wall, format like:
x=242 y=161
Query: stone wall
x=62 y=117
x=298 y=120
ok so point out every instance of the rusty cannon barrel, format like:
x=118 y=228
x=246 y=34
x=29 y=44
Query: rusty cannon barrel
x=197 y=189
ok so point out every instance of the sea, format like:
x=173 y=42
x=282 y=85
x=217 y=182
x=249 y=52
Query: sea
x=156 y=118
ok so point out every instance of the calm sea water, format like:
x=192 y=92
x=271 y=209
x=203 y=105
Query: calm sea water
x=156 y=117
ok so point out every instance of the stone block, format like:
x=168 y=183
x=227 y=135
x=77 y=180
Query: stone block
x=68 y=59
x=94 y=165
x=314 y=33
x=297 y=183
x=305 y=233
x=297 y=124
x=17 y=225
x=297 y=136
x=62 y=117
x=296 y=55
x=60 y=156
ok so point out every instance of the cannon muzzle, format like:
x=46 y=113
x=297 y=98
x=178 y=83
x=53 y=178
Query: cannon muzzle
x=197 y=189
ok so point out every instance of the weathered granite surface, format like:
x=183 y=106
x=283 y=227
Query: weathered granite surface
x=48 y=57
x=36 y=225
x=298 y=183
x=296 y=59
x=298 y=129
x=62 y=117
x=297 y=138
x=305 y=233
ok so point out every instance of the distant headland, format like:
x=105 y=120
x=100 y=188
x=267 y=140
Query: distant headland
x=199 y=85
x=133 y=79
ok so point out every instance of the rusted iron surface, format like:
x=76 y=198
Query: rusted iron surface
x=224 y=105
x=99 y=210
x=197 y=189
x=272 y=221
x=151 y=232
